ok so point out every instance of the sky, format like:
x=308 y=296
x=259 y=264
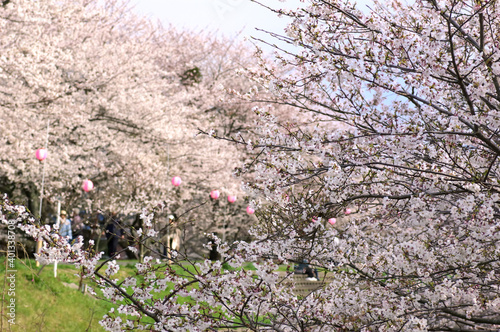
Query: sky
x=227 y=17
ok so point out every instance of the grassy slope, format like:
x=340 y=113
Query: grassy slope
x=44 y=303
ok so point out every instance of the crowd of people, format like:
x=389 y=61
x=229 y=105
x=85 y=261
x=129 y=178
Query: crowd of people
x=98 y=227
x=113 y=233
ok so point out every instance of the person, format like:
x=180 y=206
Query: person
x=80 y=226
x=304 y=268
x=77 y=224
x=65 y=226
x=114 y=232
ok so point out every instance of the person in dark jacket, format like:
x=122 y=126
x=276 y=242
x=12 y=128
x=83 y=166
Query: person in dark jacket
x=114 y=231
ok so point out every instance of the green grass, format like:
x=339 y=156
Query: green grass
x=44 y=303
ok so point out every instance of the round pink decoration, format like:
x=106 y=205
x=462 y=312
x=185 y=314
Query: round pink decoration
x=231 y=199
x=250 y=210
x=176 y=181
x=41 y=154
x=87 y=186
x=214 y=194
x=332 y=221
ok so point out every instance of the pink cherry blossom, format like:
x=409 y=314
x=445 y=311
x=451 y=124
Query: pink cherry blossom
x=392 y=110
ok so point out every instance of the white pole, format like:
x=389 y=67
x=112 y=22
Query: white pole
x=169 y=251
x=43 y=171
x=58 y=223
x=39 y=242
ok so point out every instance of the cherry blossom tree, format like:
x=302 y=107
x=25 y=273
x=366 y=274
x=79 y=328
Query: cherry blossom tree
x=117 y=100
x=403 y=102
x=118 y=113
x=123 y=115
x=397 y=139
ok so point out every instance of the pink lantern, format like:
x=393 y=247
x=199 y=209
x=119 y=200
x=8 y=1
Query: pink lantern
x=41 y=154
x=231 y=199
x=214 y=194
x=176 y=181
x=348 y=211
x=332 y=221
x=250 y=210
x=314 y=219
x=87 y=186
